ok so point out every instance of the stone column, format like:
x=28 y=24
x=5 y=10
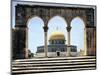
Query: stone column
x=68 y=30
x=91 y=41
x=45 y=40
x=21 y=33
x=20 y=43
x=85 y=42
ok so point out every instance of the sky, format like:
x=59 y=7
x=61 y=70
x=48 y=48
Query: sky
x=36 y=32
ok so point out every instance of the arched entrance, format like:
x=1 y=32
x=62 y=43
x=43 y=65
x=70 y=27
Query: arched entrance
x=58 y=24
x=35 y=31
x=25 y=12
x=58 y=53
x=78 y=34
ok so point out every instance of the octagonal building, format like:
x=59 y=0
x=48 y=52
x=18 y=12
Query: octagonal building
x=57 y=46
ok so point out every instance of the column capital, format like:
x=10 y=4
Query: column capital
x=45 y=28
x=68 y=28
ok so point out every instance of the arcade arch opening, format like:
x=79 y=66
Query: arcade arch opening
x=35 y=34
x=78 y=35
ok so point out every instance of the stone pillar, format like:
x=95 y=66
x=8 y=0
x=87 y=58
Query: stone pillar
x=45 y=40
x=91 y=41
x=20 y=43
x=85 y=43
x=68 y=30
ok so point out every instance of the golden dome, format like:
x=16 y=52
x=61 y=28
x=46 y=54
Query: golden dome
x=57 y=36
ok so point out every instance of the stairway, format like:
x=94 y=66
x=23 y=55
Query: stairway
x=58 y=64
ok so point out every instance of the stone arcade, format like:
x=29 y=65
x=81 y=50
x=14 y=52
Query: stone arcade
x=46 y=11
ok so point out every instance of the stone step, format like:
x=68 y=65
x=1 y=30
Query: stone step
x=53 y=64
x=29 y=66
x=56 y=58
x=53 y=67
x=55 y=61
x=23 y=72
